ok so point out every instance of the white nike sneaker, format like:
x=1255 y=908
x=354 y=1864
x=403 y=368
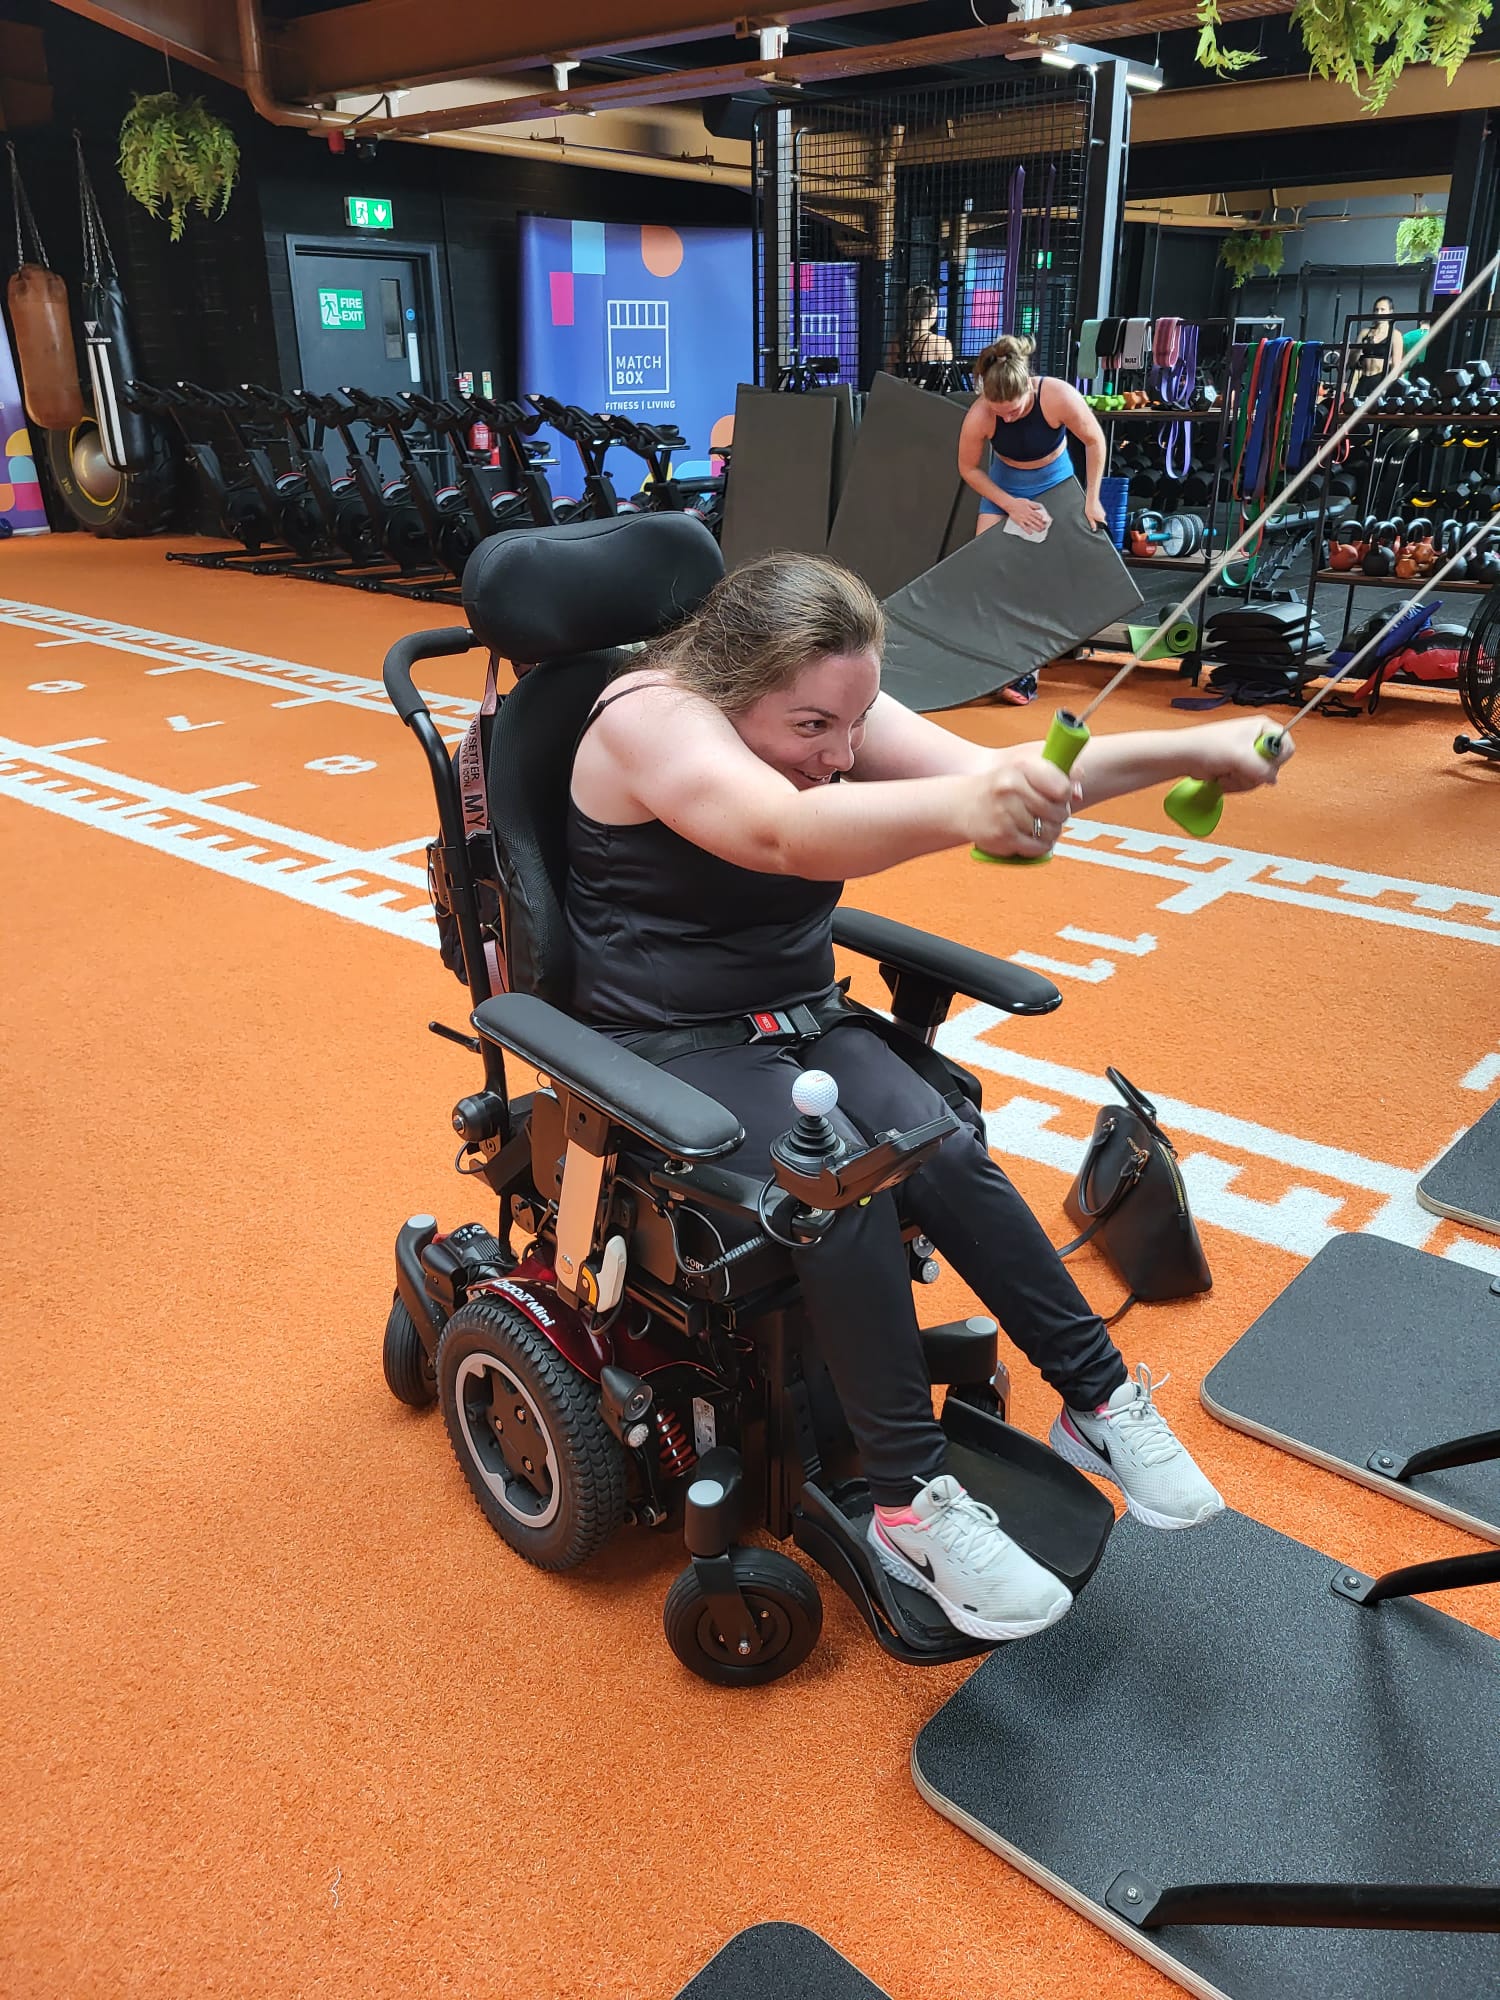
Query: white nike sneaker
x=1128 y=1442
x=952 y=1547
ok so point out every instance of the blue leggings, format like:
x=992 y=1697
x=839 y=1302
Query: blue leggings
x=1025 y=482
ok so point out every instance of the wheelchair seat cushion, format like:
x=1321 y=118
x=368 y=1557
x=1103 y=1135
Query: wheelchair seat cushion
x=553 y=593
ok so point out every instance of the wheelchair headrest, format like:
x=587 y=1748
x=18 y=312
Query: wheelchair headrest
x=552 y=593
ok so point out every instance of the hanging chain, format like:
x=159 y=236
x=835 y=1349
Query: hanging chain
x=99 y=259
x=23 y=208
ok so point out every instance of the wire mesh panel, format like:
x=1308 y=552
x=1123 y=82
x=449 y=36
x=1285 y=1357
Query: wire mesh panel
x=909 y=230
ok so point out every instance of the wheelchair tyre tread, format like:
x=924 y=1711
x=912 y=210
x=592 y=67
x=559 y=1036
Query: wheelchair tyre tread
x=783 y=1597
x=409 y=1375
x=590 y=1466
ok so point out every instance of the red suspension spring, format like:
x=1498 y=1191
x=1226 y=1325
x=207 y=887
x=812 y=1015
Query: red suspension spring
x=673 y=1443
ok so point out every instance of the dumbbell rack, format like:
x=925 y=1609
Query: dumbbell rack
x=1474 y=329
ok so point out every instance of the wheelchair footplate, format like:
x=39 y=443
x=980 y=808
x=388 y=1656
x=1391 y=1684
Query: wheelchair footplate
x=1043 y=1504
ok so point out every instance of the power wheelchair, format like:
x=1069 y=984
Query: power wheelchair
x=628 y=1343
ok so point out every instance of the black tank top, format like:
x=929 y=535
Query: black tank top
x=666 y=934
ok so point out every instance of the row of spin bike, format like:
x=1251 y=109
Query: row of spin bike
x=464 y=470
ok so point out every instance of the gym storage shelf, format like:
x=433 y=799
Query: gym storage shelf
x=1168 y=562
x=1357 y=579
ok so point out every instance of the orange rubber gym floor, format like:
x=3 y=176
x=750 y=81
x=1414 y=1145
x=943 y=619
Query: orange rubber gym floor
x=282 y=1716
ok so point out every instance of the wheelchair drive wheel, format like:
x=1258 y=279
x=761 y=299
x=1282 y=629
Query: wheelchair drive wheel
x=409 y=1375
x=529 y=1436
x=782 y=1598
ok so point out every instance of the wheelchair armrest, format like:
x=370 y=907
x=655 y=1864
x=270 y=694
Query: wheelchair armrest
x=656 y=1106
x=942 y=967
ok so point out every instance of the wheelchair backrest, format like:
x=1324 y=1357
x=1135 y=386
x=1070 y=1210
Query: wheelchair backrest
x=565 y=606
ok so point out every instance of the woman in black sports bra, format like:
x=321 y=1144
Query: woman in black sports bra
x=708 y=847
x=1013 y=446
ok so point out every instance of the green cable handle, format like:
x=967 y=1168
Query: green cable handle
x=1196 y=804
x=1065 y=738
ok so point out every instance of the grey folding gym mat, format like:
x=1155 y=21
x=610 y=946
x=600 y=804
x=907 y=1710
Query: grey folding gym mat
x=779 y=1962
x=1465 y=1182
x=1210 y=1711
x=999 y=607
x=789 y=456
x=894 y=512
x=1375 y=1348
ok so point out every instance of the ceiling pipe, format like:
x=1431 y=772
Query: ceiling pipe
x=1107 y=23
x=257 y=88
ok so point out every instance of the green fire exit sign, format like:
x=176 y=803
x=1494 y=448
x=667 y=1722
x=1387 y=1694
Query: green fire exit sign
x=342 y=309
x=369 y=211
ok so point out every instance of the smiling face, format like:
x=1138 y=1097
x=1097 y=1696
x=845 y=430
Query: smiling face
x=812 y=728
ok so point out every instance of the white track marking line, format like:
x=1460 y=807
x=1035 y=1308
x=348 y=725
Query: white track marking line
x=1300 y=1221
x=317 y=872
x=181 y=655
x=41 y=643
x=208 y=792
x=1203 y=870
x=78 y=743
x=1093 y=974
x=147 y=797
x=1136 y=947
x=1483 y=1074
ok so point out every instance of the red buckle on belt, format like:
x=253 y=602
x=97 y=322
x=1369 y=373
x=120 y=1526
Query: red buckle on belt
x=771 y=1024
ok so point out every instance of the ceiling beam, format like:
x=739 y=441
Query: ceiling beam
x=1109 y=23
x=1287 y=103
x=395 y=44
x=200 y=33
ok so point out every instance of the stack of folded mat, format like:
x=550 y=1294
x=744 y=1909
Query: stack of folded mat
x=1258 y=651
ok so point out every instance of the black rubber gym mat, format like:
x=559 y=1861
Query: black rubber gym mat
x=1375 y=1350
x=1465 y=1182
x=999 y=607
x=779 y=1962
x=790 y=452
x=894 y=513
x=1212 y=1712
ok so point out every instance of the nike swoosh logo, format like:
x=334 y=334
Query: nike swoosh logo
x=921 y=1563
x=1101 y=1449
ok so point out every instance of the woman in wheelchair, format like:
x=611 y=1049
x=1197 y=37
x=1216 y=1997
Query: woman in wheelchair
x=722 y=791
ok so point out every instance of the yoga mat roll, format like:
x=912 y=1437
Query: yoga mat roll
x=1176 y=641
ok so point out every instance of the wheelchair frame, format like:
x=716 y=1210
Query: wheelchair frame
x=553 y=1162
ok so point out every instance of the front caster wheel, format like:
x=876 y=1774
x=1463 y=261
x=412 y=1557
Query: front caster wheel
x=784 y=1602
x=409 y=1375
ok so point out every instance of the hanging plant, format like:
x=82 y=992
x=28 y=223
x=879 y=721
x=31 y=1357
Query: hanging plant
x=1364 y=43
x=1248 y=249
x=1210 y=56
x=1418 y=238
x=175 y=155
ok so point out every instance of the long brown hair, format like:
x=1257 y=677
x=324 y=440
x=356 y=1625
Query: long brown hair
x=763 y=623
x=1002 y=371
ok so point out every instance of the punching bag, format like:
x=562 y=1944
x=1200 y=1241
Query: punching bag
x=125 y=434
x=38 y=302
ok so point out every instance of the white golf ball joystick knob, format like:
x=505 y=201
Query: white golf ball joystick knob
x=814 y=1093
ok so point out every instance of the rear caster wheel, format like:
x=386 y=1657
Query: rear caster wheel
x=784 y=1602
x=409 y=1375
x=527 y=1431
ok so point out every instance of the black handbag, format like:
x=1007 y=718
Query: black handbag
x=1129 y=1194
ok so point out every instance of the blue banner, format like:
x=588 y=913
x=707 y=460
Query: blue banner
x=640 y=320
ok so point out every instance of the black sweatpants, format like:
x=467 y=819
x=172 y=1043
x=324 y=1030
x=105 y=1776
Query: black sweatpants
x=855 y=1279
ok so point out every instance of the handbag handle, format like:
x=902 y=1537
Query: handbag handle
x=1130 y=1172
x=1137 y=1100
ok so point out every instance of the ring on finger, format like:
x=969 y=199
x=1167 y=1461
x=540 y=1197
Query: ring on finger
x=1037 y=831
